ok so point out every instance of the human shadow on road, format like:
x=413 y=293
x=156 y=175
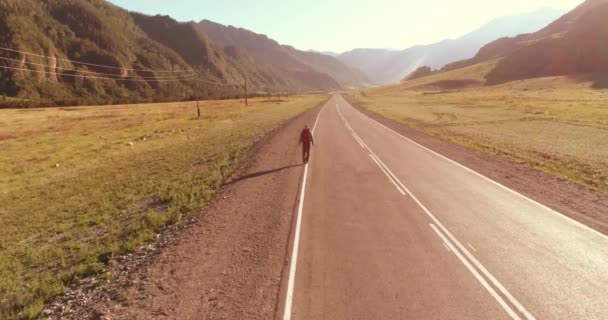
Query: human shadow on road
x=259 y=173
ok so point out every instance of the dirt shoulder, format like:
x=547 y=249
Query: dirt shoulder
x=225 y=263
x=578 y=202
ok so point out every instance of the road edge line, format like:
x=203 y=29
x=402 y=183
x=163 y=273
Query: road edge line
x=296 y=239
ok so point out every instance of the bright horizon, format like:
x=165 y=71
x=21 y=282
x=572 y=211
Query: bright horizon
x=343 y=25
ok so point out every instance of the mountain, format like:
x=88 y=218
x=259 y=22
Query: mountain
x=93 y=32
x=93 y=52
x=327 y=53
x=300 y=64
x=572 y=45
x=419 y=73
x=384 y=66
x=229 y=63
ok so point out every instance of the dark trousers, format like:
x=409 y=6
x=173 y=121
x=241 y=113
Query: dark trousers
x=305 y=152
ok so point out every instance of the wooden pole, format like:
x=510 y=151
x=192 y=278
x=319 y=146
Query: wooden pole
x=198 y=108
x=246 y=103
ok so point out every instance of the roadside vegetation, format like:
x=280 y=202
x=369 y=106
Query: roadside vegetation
x=557 y=124
x=80 y=185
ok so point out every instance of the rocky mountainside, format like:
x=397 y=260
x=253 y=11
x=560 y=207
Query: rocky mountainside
x=572 y=45
x=390 y=66
x=90 y=51
x=300 y=64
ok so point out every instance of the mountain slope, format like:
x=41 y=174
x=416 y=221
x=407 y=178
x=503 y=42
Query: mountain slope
x=575 y=44
x=389 y=66
x=89 y=31
x=92 y=52
x=555 y=30
x=227 y=63
x=307 y=65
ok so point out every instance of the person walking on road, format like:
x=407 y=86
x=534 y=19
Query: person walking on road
x=306 y=140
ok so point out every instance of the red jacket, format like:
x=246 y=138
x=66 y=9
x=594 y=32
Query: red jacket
x=306 y=136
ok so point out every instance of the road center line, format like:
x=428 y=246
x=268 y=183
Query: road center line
x=483 y=281
x=358 y=140
x=296 y=240
x=387 y=175
x=446 y=246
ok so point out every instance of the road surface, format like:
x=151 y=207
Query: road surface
x=387 y=229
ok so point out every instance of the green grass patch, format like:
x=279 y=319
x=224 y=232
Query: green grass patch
x=80 y=184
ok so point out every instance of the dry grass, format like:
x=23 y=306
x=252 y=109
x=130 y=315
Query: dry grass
x=473 y=76
x=77 y=183
x=554 y=124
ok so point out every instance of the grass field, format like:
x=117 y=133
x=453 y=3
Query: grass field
x=81 y=183
x=554 y=124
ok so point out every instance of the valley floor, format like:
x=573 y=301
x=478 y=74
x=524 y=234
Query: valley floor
x=81 y=186
x=556 y=125
x=551 y=132
x=227 y=263
x=230 y=262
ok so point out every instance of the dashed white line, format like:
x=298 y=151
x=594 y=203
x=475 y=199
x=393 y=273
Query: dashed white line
x=476 y=274
x=471 y=246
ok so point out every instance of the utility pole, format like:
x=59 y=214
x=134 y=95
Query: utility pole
x=246 y=103
x=198 y=108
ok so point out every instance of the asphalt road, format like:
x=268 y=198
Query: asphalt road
x=387 y=229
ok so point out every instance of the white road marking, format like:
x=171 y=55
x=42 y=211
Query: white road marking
x=471 y=246
x=488 y=179
x=296 y=240
x=387 y=175
x=474 y=260
x=358 y=140
x=446 y=246
x=483 y=281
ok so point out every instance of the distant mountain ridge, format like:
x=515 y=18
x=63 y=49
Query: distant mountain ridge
x=573 y=44
x=299 y=63
x=389 y=66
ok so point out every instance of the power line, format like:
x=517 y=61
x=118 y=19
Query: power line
x=91 y=77
x=92 y=64
x=192 y=74
x=96 y=73
x=221 y=84
x=212 y=78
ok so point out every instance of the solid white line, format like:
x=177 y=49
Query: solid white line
x=357 y=137
x=483 y=281
x=387 y=175
x=442 y=242
x=580 y=224
x=471 y=246
x=347 y=125
x=458 y=244
x=296 y=240
x=358 y=140
x=446 y=246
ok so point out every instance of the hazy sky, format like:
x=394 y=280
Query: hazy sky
x=341 y=25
